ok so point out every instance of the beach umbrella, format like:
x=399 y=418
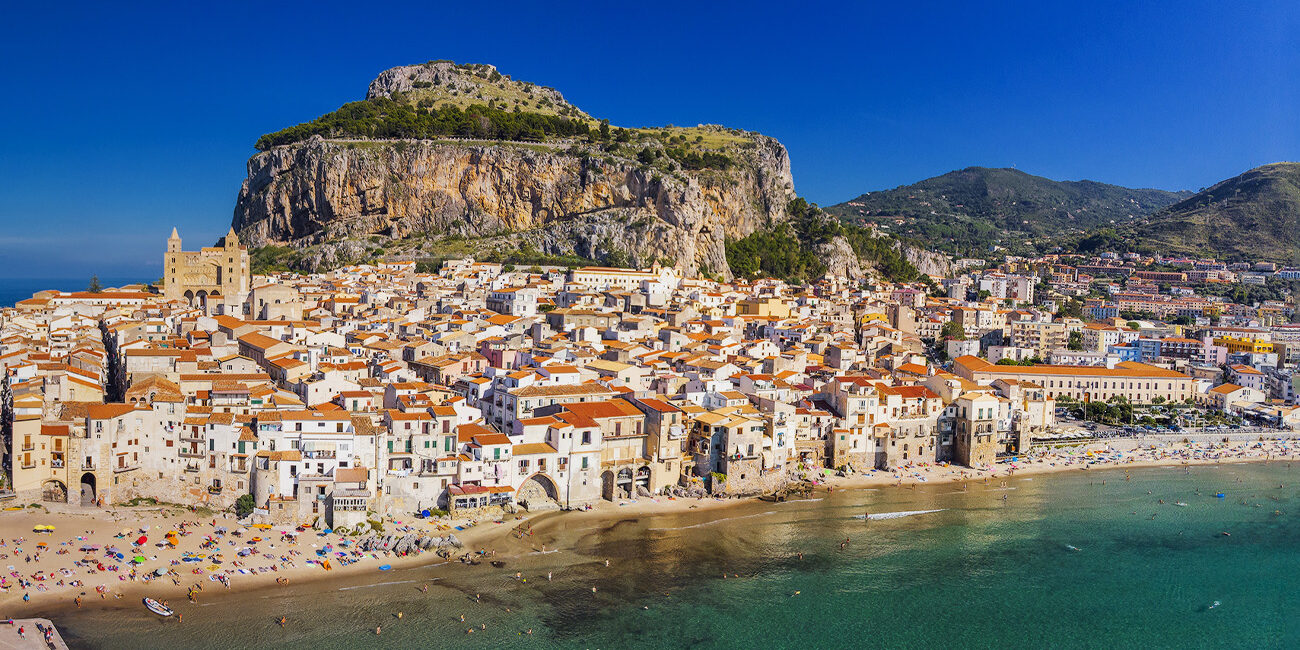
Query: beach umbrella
x=160 y=571
x=142 y=540
x=139 y=559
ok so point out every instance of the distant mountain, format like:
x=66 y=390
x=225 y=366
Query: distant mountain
x=1254 y=216
x=966 y=211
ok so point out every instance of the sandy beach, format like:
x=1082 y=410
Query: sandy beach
x=78 y=563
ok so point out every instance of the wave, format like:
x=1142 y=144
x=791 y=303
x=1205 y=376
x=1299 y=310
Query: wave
x=377 y=584
x=718 y=521
x=878 y=516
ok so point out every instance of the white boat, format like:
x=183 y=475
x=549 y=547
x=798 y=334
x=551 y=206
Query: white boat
x=157 y=607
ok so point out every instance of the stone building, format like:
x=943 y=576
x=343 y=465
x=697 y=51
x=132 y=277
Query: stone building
x=193 y=276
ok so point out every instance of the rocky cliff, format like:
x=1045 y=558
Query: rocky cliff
x=638 y=200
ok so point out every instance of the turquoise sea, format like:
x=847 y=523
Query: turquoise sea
x=1076 y=560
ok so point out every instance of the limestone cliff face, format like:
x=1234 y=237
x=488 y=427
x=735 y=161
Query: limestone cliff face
x=329 y=194
x=926 y=261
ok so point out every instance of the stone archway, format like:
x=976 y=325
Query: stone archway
x=189 y=297
x=607 y=485
x=538 y=492
x=53 y=490
x=88 y=495
x=623 y=483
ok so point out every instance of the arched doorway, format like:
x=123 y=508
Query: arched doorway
x=643 y=479
x=55 y=491
x=538 y=492
x=607 y=485
x=624 y=483
x=189 y=297
x=88 y=489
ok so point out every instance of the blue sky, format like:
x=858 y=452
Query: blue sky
x=121 y=121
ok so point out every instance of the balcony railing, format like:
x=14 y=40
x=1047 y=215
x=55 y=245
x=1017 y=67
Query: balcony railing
x=193 y=453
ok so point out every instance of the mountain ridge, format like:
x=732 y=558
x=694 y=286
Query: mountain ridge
x=1252 y=216
x=963 y=210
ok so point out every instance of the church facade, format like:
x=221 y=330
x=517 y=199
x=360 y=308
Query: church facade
x=196 y=276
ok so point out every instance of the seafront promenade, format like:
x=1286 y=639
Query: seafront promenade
x=32 y=636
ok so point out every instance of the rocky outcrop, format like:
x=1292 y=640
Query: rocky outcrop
x=840 y=259
x=559 y=199
x=926 y=261
x=457 y=79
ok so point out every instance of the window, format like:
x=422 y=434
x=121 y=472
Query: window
x=586 y=439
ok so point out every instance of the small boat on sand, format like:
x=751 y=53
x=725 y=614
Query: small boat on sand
x=157 y=607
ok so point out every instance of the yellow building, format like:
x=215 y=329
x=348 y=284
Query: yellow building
x=218 y=270
x=763 y=308
x=1237 y=345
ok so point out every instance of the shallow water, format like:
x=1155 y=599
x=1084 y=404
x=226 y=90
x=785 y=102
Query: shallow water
x=980 y=572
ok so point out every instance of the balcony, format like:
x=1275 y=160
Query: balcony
x=192 y=468
x=318 y=454
x=193 y=453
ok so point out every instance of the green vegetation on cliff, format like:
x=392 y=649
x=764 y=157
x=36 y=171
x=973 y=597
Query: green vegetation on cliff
x=791 y=250
x=384 y=118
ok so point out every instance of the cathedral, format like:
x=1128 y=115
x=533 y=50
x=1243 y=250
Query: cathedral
x=213 y=271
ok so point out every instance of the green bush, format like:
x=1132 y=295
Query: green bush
x=244 y=505
x=386 y=118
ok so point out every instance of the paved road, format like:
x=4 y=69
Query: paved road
x=9 y=639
